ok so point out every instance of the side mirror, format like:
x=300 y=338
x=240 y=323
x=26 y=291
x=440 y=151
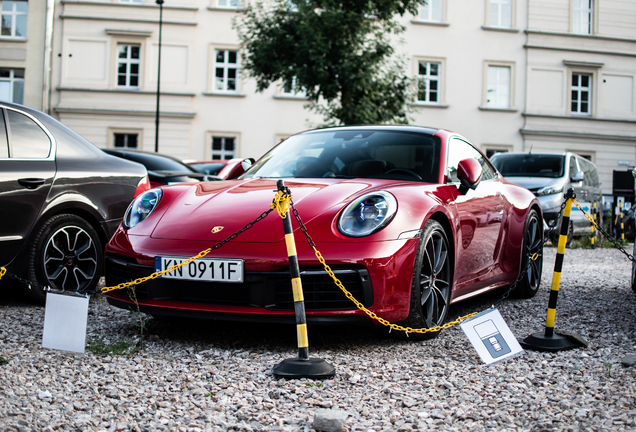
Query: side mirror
x=239 y=168
x=634 y=172
x=469 y=174
x=578 y=177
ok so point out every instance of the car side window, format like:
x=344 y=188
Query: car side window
x=460 y=150
x=26 y=138
x=4 y=143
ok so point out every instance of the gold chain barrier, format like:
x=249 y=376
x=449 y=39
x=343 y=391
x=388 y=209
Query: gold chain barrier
x=281 y=203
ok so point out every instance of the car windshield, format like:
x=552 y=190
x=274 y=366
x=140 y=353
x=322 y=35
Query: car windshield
x=356 y=153
x=530 y=165
x=210 y=168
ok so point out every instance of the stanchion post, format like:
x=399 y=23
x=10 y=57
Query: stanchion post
x=303 y=366
x=592 y=226
x=549 y=341
x=620 y=220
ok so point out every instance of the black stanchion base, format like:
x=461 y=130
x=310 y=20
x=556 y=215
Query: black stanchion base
x=557 y=342
x=297 y=368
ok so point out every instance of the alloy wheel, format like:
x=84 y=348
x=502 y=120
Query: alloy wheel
x=70 y=259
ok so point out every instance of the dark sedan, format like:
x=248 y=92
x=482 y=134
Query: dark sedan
x=61 y=199
x=162 y=169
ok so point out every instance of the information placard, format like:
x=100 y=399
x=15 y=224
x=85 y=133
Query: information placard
x=65 y=318
x=491 y=337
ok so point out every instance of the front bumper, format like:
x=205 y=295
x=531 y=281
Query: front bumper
x=381 y=284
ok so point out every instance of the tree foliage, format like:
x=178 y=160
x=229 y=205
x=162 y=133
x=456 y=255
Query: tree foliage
x=339 y=52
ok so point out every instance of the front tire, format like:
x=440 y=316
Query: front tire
x=432 y=281
x=66 y=254
x=528 y=286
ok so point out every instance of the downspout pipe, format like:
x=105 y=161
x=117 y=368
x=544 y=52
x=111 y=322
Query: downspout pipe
x=48 y=56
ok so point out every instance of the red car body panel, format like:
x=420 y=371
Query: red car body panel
x=485 y=229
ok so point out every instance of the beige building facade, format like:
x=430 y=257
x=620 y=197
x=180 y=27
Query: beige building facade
x=510 y=75
x=25 y=36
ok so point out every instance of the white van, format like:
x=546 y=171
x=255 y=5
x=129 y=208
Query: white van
x=549 y=176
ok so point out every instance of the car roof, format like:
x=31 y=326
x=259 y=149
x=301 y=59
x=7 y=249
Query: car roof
x=149 y=159
x=401 y=128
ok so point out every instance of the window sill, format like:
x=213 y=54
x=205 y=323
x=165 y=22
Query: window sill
x=235 y=95
x=511 y=110
x=430 y=23
x=226 y=9
x=501 y=29
x=428 y=105
x=290 y=97
x=12 y=39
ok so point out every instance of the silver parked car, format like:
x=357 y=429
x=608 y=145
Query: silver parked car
x=549 y=176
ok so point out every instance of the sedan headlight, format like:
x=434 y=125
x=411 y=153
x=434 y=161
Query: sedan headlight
x=549 y=190
x=368 y=214
x=141 y=207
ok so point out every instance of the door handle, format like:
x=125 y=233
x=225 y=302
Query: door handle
x=31 y=183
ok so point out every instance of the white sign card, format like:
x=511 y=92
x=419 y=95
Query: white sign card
x=491 y=337
x=65 y=318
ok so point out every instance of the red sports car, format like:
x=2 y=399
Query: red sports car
x=410 y=219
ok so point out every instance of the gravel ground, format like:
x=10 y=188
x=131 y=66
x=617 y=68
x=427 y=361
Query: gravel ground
x=194 y=376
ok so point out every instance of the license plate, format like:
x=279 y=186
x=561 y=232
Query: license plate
x=202 y=269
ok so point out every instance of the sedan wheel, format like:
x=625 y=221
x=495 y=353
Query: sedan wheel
x=528 y=286
x=432 y=279
x=67 y=254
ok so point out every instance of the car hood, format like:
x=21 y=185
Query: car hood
x=212 y=211
x=534 y=183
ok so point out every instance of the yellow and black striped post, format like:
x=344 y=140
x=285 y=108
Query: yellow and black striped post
x=549 y=341
x=620 y=220
x=303 y=366
x=592 y=226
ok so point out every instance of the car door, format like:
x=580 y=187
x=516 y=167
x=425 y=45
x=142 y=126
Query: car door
x=27 y=168
x=479 y=216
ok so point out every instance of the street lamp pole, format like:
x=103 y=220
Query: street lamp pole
x=160 y=3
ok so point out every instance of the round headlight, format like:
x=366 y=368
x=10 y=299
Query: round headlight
x=141 y=207
x=368 y=214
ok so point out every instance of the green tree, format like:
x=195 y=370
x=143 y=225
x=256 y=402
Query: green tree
x=340 y=52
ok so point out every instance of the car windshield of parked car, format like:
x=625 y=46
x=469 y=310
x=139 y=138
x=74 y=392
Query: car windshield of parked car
x=530 y=165
x=353 y=154
x=209 y=168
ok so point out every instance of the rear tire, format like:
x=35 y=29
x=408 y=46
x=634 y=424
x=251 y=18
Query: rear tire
x=528 y=286
x=66 y=254
x=432 y=281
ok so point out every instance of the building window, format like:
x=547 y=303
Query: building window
x=428 y=79
x=582 y=16
x=125 y=140
x=581 y=94
x=292 y=89
x=12 y=85
x=223 y=148
x=128 y=65
x=493 y=149
x=226 y=70
x=500 y=13
x=431 y=11
x=14 y=18
x=498 y=88
x=230 y=4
